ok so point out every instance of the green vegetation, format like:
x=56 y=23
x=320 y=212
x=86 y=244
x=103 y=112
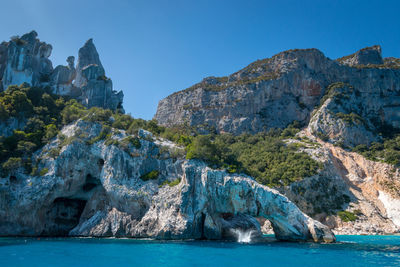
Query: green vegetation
x=388 y=151
x=265 y=156
x=133 y=140
x=12 y=164
x=43 y=171
x=150 y=175
x=347 y=216
x=43 y=114
x=171 y=184
x=104 y=134
x=333 y=92
x=351 y=118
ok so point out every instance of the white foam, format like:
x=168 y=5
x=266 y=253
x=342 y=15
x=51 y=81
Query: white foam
x=243 y=236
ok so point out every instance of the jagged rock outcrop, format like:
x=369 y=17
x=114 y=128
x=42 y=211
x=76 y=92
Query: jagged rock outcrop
x=62 y=78
x=276 y=91
x=100 y=190
x=366 y=56
x=26 y=59
x=345 y=119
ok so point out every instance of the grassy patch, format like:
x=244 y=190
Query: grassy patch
x=171 y=184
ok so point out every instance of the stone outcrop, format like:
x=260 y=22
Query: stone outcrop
x=100 y=190
x=26 y=59
x=366 y=56
x=274 y=92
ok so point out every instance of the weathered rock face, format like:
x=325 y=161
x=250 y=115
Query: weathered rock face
x=369 y=190
x=277 y=91
x=26 y=59
x=366 y=56
x=96 y=190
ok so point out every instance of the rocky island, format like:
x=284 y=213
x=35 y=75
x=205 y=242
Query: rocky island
x=297 y=144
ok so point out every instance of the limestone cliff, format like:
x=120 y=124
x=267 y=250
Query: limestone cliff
x=103 y=188
x=276 y=91
x=354 y=100
x=369 y=190
x=25 y=59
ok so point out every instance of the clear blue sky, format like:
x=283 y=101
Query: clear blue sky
x=151 y=49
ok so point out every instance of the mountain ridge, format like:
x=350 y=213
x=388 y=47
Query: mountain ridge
x=287 y=86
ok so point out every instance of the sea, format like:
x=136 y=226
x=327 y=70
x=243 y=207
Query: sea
x=350 y=250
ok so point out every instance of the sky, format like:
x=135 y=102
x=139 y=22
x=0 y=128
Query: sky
x=151 y=49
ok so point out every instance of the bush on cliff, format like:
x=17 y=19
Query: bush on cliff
x=43 y=113
x=265 y=156
x=388 y=151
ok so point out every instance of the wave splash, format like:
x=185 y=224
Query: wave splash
x=242 y=236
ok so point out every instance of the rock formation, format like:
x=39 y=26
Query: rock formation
x=276 y=91
x=345 y=102
x=366 y=56
x=26 y=59
x=100 y=190
x=348 y=181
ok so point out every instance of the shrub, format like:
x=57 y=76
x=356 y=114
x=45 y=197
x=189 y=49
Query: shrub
x=43 y=171
x=171 y=184
x=122 y=121
x=54 y=152
x=175 y=182
x=72 y=112
x=351 y=119
x=104 y=134
x=12 y=164
x=264 y=156
x=388 y=151
x=202 y=148
x=50 y=132
x=347 y=216
x=100 y=115
x=150 y=175
x=134 y=140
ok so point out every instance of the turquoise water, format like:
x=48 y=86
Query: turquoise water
x=350 y=251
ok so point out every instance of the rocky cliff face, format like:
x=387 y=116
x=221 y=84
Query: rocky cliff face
x=369 y=190
x=277 y=91
x=345 y=102
x=104 y=189
x=26 y=59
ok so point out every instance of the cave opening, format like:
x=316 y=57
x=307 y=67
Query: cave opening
x=202 y=224
x=100 y=162
x=90 y=183
x=63 y=215
x=13 y=178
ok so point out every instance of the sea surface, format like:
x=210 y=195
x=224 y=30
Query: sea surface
x=349 y=251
